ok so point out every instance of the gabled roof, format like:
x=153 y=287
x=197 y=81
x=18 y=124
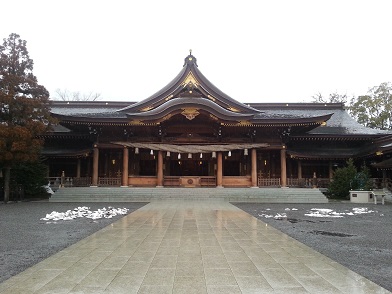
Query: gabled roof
x=189 y=93
x=191 y=80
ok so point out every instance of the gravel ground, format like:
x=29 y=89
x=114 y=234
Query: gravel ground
x=26 y=240
x=361 y=242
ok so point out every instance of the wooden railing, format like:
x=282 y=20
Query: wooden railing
x=308 y=182
x=175 y=181
x=207 y=181
x=268 y=182
x=108 y=182
x=297 y=183
x=57 y=182
x=171 y=181
x=294 y=182
x=82 y=182
x=323 y=182
x=54 y=182
x=379 y=183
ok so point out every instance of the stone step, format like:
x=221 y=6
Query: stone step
x=131 y=194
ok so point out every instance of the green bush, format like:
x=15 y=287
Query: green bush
x=31 y=176
x=348 y=178
x=362 y=180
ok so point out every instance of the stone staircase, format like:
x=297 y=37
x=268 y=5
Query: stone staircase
x=133 y=194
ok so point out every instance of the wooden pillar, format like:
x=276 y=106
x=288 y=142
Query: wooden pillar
x=219 y=170
x=254 y=168
x=283 y=171
x=124 y=182
x=106 y=171
x=166 y=170
x=160 y=169
x=384 y=179
x=94 y=180
x=78 y=163
x=62 y=180
x=330 y=169
x=299 y=169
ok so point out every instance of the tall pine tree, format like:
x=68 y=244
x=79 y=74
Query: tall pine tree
x=24 y=108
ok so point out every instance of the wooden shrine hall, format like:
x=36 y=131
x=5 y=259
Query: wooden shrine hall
x=191 y=134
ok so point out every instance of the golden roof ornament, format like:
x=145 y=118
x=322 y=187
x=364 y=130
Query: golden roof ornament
x=190 y=113
x=190 y=59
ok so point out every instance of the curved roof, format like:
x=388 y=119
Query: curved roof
x=189 y=103
x=190 y=91
x=191 y=79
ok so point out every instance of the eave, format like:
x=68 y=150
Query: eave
x=383 y=165
x=300 y=121
x=54 y=135
x=89 y=120
x=179 y=105
x=333 y=137
x=66 y=153
x=324 y=155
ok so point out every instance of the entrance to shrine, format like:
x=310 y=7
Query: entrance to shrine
x=181 y=168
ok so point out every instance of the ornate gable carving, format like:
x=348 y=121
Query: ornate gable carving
x=190 y=113
x=190 y=80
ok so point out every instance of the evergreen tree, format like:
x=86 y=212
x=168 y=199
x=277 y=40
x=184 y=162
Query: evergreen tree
x=348 y=178
x=343 y=180
x=24 y=108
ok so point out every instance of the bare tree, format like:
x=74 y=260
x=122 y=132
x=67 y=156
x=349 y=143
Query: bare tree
x=67 y=95
x=332 y=98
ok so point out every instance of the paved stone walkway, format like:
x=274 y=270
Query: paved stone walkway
x=188 y=247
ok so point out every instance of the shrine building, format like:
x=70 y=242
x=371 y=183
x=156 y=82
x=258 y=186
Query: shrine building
x=191 y=134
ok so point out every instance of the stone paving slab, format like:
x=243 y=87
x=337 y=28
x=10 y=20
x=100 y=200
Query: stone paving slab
x=188 y=247
x=360 y=238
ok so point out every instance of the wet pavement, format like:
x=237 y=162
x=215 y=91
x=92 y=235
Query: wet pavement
x=189 y=247
x=356 y=235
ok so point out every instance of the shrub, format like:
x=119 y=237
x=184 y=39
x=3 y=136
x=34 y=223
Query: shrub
x=348 y=178
x=31 y=176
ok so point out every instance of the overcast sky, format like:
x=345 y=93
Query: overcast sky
x=254 y=51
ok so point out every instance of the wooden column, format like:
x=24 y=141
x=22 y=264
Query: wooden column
x=299 y=169
x=330 y=169
x=219 y=170
x=124 y=182
x=283 y=171
x=160 y=170
x=384 y=179
x=254 y=168
x=78 y=163
x=94 y=180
